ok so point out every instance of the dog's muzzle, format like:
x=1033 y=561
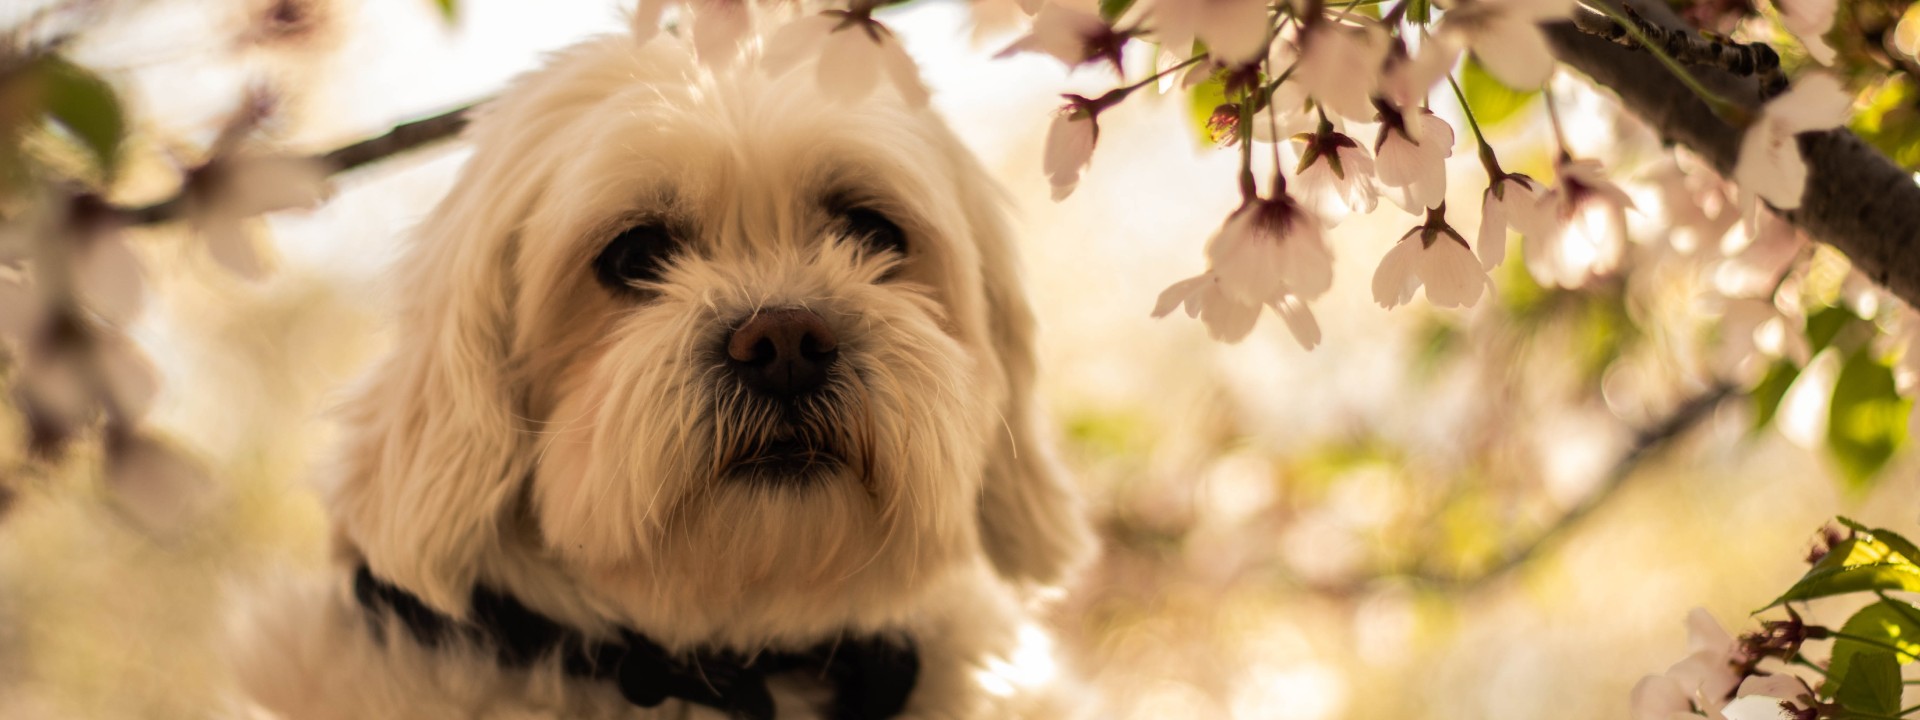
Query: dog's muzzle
x=786 y=359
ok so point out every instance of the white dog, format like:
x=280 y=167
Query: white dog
x=712 y=399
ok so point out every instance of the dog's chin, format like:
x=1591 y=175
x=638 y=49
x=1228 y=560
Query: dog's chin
x=788 y=464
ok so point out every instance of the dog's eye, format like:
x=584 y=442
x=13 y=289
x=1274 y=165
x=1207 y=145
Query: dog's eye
x=636 y=255
x=875 y=230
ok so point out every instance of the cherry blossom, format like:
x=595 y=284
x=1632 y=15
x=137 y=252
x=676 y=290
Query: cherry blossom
x=1235 y=31
x=1408 y=79
x=1433 y=255
x=1335 y=175
x=1070 y=140
x=1227 y=319
x=1512 y=201
x=1810 y=20
x=1505 y=35
x=1414 y=161
x=1270 y=248
x=853 y=51
x=231 y=190
x=1340 y=67
x=1770 y=164
x=1073 y=36
x=720 y=27
x=1585 y=231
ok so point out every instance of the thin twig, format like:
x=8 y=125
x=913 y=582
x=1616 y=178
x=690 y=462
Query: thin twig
x=402 y=138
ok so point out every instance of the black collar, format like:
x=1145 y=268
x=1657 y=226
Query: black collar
x=871 y=676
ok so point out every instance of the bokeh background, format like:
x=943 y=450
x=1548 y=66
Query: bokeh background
x=1490 y=513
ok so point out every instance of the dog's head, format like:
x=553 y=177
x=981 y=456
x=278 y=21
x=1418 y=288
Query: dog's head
x=717 y=347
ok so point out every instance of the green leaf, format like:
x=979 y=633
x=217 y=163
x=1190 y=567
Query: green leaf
x=1111 y=10
x=1202 y=100
x=1492 y=102
x=1888 y=622
x=1771 y=390
x=449 y=10
x=1866 y=419
x=1824 y=326
x=1893 y=541
x=85 y=106
x=1863 y=562
x=1871 y=685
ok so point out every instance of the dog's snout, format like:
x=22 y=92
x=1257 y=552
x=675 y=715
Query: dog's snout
x=783 y=352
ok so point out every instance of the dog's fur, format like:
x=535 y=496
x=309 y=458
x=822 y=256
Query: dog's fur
x=541 y=434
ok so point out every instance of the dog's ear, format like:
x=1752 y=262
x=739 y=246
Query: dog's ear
x=435 y=445
x=1031 y=520
x=438 y=444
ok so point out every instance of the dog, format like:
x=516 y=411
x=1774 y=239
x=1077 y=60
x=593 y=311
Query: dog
x=711 y=398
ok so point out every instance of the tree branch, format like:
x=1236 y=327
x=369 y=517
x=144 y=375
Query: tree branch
x=402 y=138
x=1857 y=200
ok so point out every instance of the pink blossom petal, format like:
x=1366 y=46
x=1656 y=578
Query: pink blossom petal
x=110 y=279
x=1394 y=282
x=1177 y=293
x=1235 y=31
x=21 y=310
x=233 y=248
x=1299 y=319
x=157 y=486
x=719 y=28
x=1515 y=52
x=1069 y=149
x=1658 y=697
x=904 y=73
x=130 y=378
x=849 y=65
x=645 y=22
x=1452 y=275
x=1492 y=241
x=1756 y=707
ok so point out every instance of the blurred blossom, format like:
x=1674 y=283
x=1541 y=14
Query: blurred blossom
x=20 y=304
x=1588 y=232
x=1239 y=486
x=1505 y=35
x=110 y=279
x=1340 y=67
x=1770 y=164
x=1335 y=176
x=1071 y=35
x=852 y=51
x=1297 y=690
x=236 y=189
x=1227 y=319
x=1513 y=201
x=1802 y=417
x=1408 y=79
x=1696 y=207
x=1765 y=251
x=157 y=486
x=719 y=28
x=1414 y=161
x=1235 y=31
x=1810 y=20
x=1321 y=548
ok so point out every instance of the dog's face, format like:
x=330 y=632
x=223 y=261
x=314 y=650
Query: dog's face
x=720 y=349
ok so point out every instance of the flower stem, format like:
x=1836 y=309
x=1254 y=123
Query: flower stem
x=1719 y=105
x=1801 y=660
x=1487 y=158
x=1553 y=115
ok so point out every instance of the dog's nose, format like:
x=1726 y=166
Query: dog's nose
x=783 y=352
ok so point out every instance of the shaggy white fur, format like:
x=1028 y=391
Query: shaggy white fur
x=567 y=442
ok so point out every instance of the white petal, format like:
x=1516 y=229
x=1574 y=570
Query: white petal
x=258 y=185
x=1069 y=148
x=1452 y=275
x=1756 y=707
x=1658 y=697
x=1178 y=293
x=796 y=42
x=230 y=244
x=904 y=73
x=1810 y=20
x=1306 y=265
x=1492 y=242
x=645 y=22
x=1394 y=281
x=1300 y=321
x=1399 y=161
x=1227 y=320
x=110 y=279
x=719 y=26
x=1706 y=633
x=1779 y=685
x=1770 y=166
x=1515 y=52
x=131 y=379
x=849 y=65
x=1235 y=31
x=1816 y=101
x=21 y=310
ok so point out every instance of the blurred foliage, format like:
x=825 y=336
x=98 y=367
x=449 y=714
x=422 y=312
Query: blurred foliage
x=1492 y=101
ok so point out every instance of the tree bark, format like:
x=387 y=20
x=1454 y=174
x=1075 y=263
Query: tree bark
x=1857 y=200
